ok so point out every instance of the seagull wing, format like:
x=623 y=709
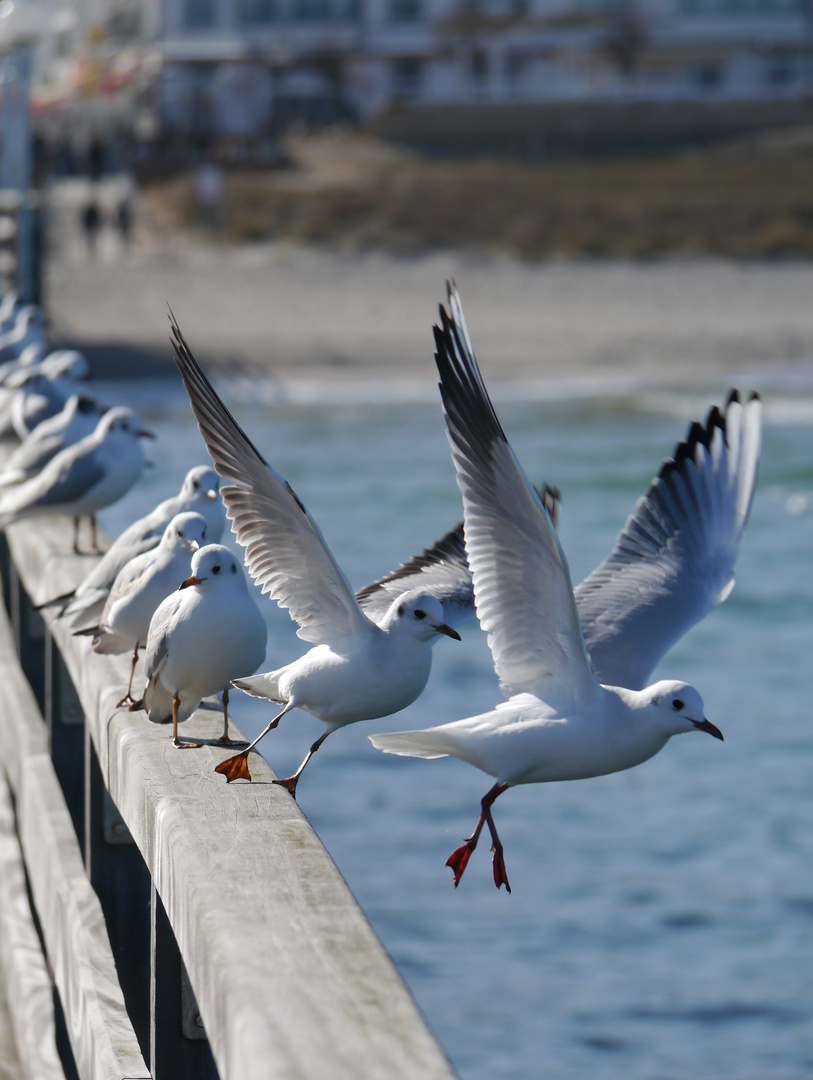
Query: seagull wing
x=441 y=569
x=521 y=578
x=285 y=552
x=674 y=559
x=66 y=478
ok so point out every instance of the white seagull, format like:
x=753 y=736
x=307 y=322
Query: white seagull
x=358 y=669
x=46 y=389
x=140 y=587
x=672 y=563
x=200 y=639
x=198 y=492
x=85 y=477
x=78 y=418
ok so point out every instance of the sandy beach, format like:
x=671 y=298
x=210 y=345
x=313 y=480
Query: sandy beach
x=315 y=313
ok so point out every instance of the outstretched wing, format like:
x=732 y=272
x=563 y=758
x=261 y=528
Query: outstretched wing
x=441 y=569
x=521 y=578
x=674 y=559
x=285 y=552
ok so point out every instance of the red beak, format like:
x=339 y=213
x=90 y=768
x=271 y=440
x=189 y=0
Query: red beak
x=189 y=581
x=707 y=726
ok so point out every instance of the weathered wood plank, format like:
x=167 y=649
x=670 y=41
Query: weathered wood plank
x=27 y=984
x=73 y=928
x=290 y=979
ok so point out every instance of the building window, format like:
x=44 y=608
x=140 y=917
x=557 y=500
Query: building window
x=405 y=11
x=256 y=12
x=199 y=14
x=407 y=75
x=479 y=70
x=312 y=10
x=514 y=68
x=709 y=76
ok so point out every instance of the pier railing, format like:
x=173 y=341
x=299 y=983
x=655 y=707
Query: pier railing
x=181 y=927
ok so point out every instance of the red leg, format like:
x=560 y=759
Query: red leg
x=176 y=742
x=290 y=782
x=459 y=859
x=77 y=550
x=224 y=739
x=128 y=698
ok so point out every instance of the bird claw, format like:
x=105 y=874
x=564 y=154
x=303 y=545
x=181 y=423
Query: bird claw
x=130 y=701
x=288 y=782
x=498 y=867
x=459 y=860
x=137 y=706
x=179 y=745
x=234 y=768
x=224 y=740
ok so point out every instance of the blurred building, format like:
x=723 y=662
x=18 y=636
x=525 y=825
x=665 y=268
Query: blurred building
x=239 y=66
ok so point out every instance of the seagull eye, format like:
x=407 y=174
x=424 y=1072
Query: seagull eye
x=216 y=569
x=677 y=704
x=180 y=533
x=401 y=612
x=195 y=485
x=420 y=614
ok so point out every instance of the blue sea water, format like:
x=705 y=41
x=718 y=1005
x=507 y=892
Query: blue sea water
x=661 y=921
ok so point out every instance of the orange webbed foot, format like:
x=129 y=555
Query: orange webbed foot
x=498 y=867
x=459 y=860
x=234 y=768
x=288 y=782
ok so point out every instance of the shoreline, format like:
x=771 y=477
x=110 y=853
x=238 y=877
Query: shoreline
x=299 y=314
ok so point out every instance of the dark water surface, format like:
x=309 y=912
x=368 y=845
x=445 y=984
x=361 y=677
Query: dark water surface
x=661 y=923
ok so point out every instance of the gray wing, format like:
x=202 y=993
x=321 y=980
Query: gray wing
x=441 y=569
x=521 y=578
x=285 y=552
x=674 y=559
x=66 y=477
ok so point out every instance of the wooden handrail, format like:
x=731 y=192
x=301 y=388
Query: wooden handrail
x=289 y=980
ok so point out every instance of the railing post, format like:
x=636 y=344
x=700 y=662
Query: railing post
x=66 y=735
x=179 y=1049
x=121 y=879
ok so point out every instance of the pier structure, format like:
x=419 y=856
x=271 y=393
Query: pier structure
x=154 y=922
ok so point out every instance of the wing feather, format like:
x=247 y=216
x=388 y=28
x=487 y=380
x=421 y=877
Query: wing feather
x=674 y=559
x=285 y=551
x=521 y=578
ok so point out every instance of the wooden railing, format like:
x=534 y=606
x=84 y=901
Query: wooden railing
x=189 y=928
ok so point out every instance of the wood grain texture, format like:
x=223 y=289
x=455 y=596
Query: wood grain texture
x=290 y=979
x=73 y=928
x=26 y=992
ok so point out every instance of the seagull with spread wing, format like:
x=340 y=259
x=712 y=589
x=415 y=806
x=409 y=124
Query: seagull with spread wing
x=574 y=669
x=358 y=669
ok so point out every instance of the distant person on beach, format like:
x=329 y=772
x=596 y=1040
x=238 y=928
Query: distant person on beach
x=124 y=220
x=91 y=224
x=209 y=196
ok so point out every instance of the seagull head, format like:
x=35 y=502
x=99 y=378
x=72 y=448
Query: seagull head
x=122 y=422
x=186 y=532
x=201 y=483
x=420 y=615
x=213 y=567
x=679 y=708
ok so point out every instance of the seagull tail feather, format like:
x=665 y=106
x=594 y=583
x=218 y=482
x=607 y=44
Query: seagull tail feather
x=423 y=744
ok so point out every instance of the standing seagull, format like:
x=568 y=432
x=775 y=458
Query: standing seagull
x=140 y=587
x=358 y=669
x=85 y=477
x=560 y=722
x=79 y=417
x=201 y=638
x=198 y=493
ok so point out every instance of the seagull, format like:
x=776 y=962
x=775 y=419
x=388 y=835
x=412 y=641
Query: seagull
x=198 y=492
x=78 y=418
x=85 y=477
x=27 y=329
x=672 y=563
x=358 y=669
x=140 y=587
x=46 y=388
x=200 y=638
